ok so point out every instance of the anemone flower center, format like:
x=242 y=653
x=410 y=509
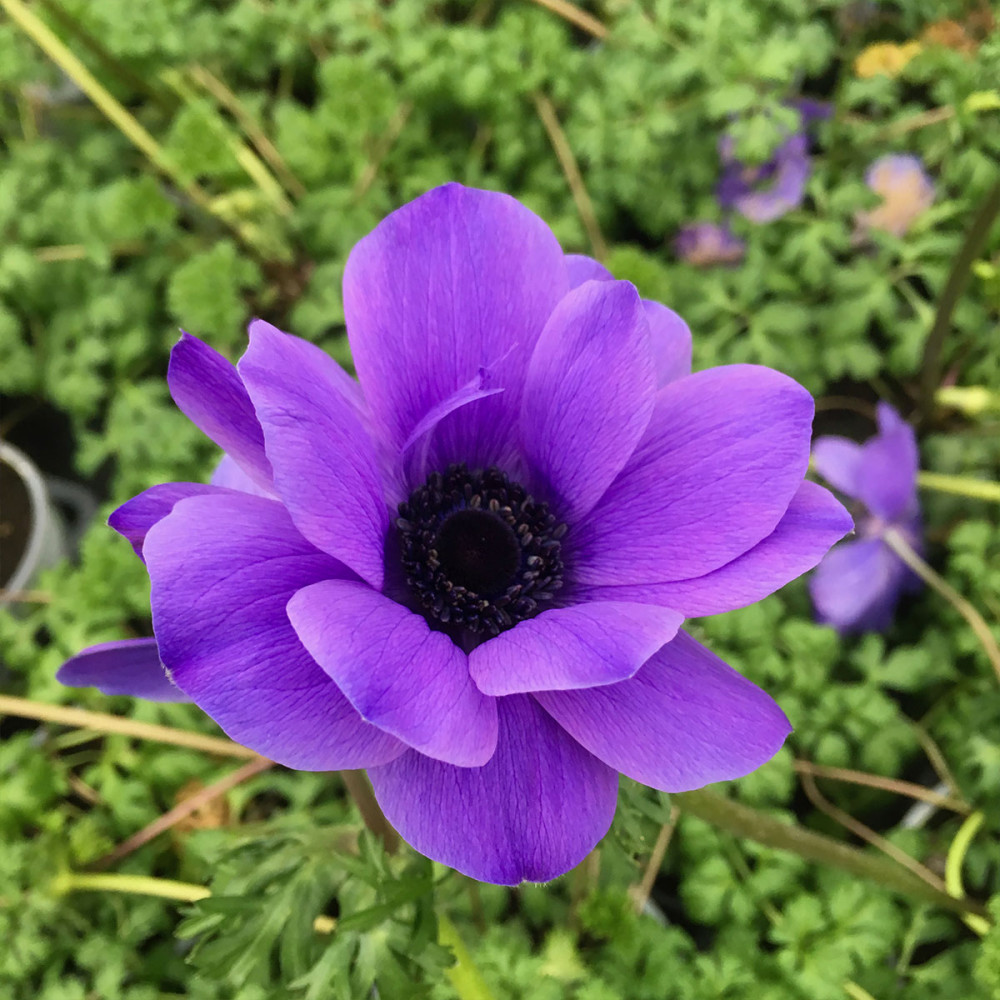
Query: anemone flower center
x=478 y=551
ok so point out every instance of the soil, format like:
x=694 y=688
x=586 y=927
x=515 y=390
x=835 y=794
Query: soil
x=15 y=521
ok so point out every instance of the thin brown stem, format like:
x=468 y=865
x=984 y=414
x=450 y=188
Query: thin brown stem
x=908 y=788
x=571 y=170
x=641 y=891
x=935 y=581
x=573 y=14
x=100 y=722
x=936 y=758
x=868 y=835
x=392 y=132
x=181 y=811
x=361 y=792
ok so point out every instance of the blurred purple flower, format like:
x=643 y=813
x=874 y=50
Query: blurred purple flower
x=858 y=584
x=466 y=572
x=706 y=243
x=766 y=192
x=907 y=192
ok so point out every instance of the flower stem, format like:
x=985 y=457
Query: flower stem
x=360 y=791
x=905 y=551
x=977 y=489
x=953 y=868
x=958 y=277
x=100 y=722
x=747 y=822
x=464 y=976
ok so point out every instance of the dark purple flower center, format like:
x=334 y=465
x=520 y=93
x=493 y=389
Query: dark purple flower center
x=478 y=551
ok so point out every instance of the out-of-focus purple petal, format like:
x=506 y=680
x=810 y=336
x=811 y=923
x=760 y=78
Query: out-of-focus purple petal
x=685 y=720
x=813 y=522
x=326 y=469
x=725 y=452
x=670 y=341
x=136 y=516
x=887 y=471
x=208 y=390
x=589 y=394
x=577 y=647
x=398 y=673
x=534 y=811
x=857 y=585
x=706 y=243
x=222 y=570
x=454 y=281
x=128 y=666
x=907 y=192
x=838 y=461
x=785 y=188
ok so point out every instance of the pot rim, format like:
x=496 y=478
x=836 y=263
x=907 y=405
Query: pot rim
x=38 y=502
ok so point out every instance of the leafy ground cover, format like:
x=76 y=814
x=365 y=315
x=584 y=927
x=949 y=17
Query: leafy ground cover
x=218 y=163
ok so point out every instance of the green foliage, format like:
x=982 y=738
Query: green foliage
x=368 y=104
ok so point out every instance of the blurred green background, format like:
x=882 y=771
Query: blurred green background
x=218 y=163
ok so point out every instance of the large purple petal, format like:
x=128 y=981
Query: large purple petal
x=670 y=340
x=813 y=522
x=455 y=281
x=685 y=720
x=588 y=395
x=222 y=570
x=838 y=461
x=136 y=516
x=857 y=585
x=128 y=666
x=723 y=456
x=326 y=468
x=887 y=473
x=534 y=811
x=207 y=388
x=578 y=647
x=669 y=336
x=399 y=674
x=228 y=475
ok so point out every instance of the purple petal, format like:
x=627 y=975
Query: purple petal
x=857 y=585
x=208 y=390
x=670 y=340
x=813 y=522
x=326 y=468
x=455 y=281
x=887 y=473
x=706 y=243
x=398 y=673
x=685 y=720
x=589 y=394
x=534 y=811
x=229 y=476
x=579 y=647
x=129 y=666
x=838 y=461
x=222 y=570
x=581 y=268
x=136 y=516
x=725 y=452
x=669 y=336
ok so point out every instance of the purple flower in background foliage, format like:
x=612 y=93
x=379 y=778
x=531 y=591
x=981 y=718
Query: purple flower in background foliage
x=706 y=243
x=907 y=192
x=768 y=191
x=859 y=583
x=466 y=571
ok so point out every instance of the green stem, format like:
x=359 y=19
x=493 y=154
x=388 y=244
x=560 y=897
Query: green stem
x=464 y=976
x=977 y=489
x=958 y=277
x=953 y=868
x=747 y=822
x=142 y=885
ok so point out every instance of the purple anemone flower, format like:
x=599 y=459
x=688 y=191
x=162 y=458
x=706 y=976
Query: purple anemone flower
x=706 y=243
x=466 y=571
x=766 y=192
x=858 y=584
